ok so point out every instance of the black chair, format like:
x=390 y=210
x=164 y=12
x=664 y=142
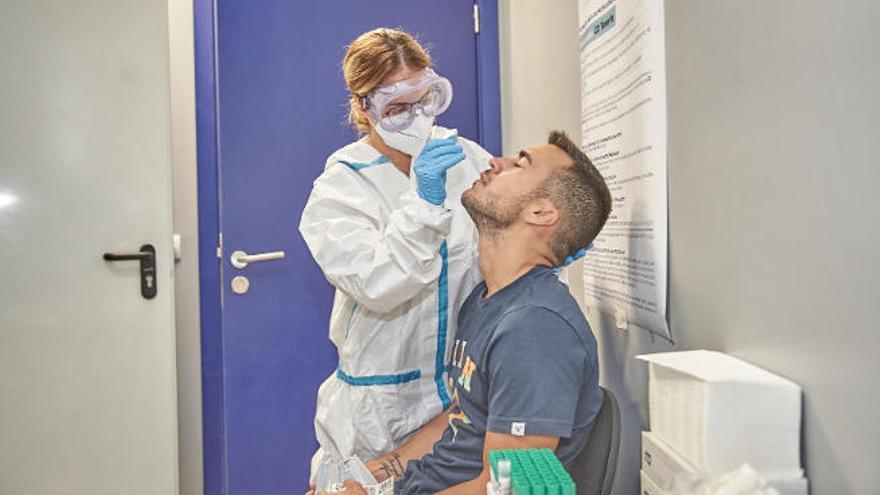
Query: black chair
x=593 y=469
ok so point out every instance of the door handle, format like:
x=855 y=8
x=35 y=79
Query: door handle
x=241 y=259
x=147 y=258
x=127 y=256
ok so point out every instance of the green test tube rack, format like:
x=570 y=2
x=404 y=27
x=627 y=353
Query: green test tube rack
x=534 y=472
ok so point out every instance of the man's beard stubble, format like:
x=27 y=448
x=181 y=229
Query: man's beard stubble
x=488 y=216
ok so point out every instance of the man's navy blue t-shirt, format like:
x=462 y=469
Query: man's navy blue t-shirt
x=523 y=363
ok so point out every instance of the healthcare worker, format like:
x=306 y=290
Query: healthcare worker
x=385 y=224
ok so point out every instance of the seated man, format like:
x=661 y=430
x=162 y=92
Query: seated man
x=523 y=370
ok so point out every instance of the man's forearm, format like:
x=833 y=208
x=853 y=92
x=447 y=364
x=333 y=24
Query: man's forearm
x=499 y=441
x=393 y=464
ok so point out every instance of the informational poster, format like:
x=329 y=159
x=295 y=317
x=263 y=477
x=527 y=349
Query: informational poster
x=623 y=116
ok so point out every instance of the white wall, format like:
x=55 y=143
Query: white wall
x=186 y=273
x=540 y=72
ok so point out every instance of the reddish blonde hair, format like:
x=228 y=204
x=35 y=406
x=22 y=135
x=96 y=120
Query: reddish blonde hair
x=371 y=58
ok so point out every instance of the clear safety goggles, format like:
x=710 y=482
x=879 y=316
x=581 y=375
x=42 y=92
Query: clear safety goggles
x=394 y=106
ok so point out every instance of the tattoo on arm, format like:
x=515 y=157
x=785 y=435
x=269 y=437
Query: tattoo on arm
x=385 y=467
x=393 y=467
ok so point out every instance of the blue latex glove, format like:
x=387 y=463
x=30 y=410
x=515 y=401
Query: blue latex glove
x=576 y=256
x=438 y=156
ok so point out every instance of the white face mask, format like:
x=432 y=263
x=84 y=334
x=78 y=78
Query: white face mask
x=410 y=140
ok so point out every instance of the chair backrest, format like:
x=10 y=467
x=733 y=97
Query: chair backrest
x=593 y=469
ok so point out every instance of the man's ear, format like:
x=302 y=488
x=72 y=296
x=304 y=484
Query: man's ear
x=541 y=212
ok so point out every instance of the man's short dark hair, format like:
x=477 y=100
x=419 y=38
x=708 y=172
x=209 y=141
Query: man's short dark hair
x=581 y=195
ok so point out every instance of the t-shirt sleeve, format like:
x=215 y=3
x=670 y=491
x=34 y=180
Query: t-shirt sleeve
x=535 y=366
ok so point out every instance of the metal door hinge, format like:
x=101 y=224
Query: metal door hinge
x=220 y=245
x=178 y=251
x=476 y=19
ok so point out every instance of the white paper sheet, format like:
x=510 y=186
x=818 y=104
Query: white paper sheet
x=623 y=117
x=718 y=412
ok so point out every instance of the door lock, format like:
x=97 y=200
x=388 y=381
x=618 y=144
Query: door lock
x=240 y=284
x=241 y=259
x=147 y=258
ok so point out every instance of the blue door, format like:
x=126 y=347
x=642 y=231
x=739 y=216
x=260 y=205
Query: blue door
x=271 y=108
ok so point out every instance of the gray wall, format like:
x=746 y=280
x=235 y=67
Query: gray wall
x=772 y=109
x=186 y=272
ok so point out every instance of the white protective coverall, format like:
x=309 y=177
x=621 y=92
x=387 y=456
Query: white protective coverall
x=402 y=267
